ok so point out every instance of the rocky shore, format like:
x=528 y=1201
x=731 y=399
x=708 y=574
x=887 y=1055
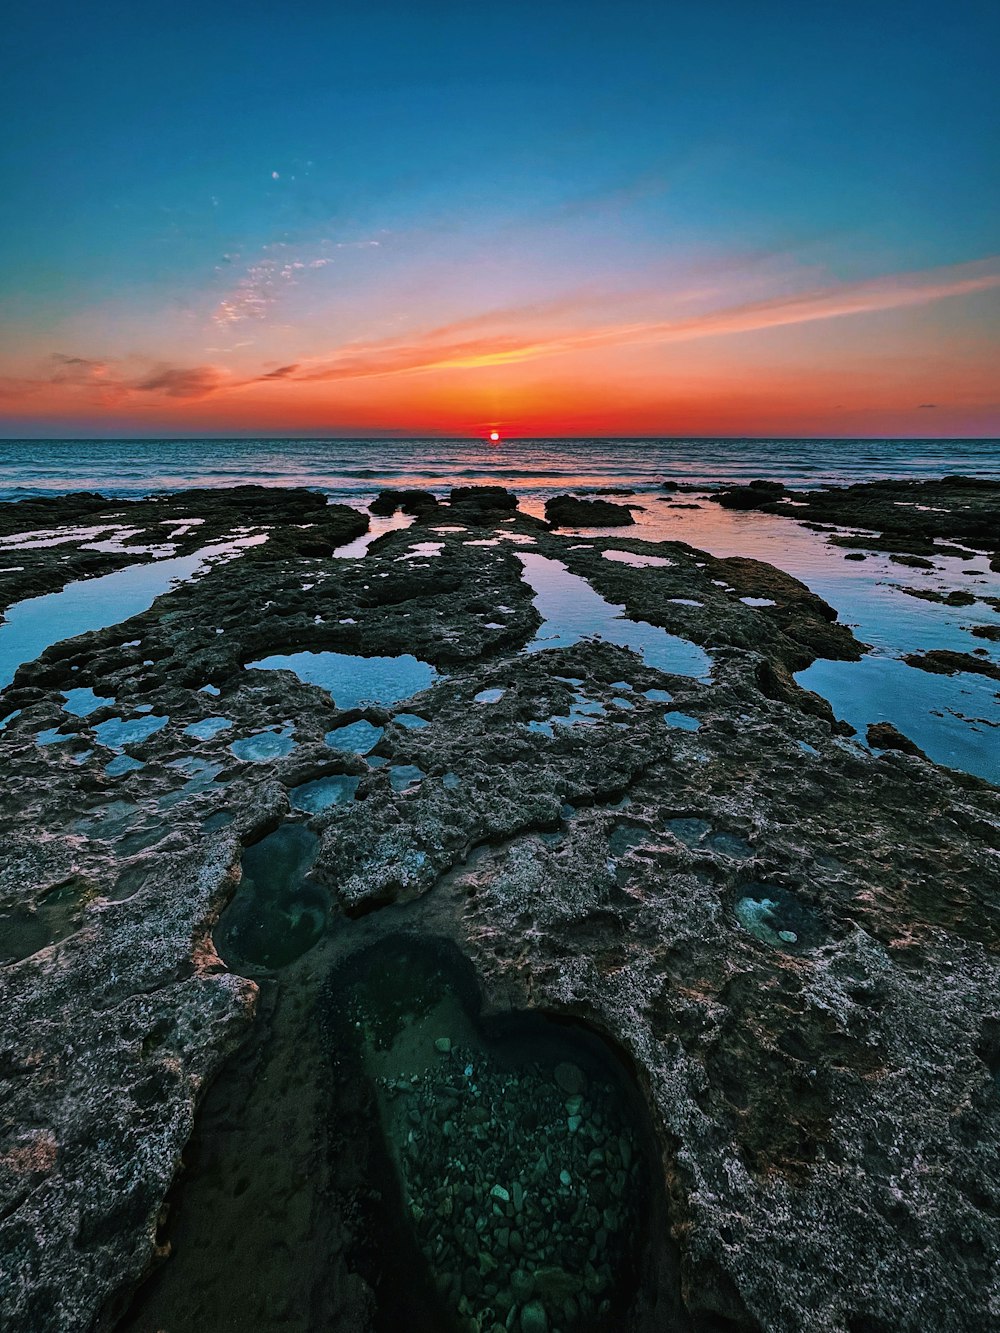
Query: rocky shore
x=917 y=518
x=786 y=942
x=57 y=539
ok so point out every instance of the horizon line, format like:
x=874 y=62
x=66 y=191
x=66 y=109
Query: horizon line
x=483 y=439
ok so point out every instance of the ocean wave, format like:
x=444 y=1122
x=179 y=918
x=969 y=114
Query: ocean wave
x=355 y=469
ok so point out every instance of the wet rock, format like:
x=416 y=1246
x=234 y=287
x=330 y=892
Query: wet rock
x=570 y=1078
x=800 y=1082
x=534 y=1319
x=914 y=561
x=758 y=495
x=567 y=511
x=884 y=736
x=945 y=662
x=956 y=597
x=483 y=499
x=386 y=503
x=179 y=523
x=554 y=1286
x=522 y=1284
x=907 y=516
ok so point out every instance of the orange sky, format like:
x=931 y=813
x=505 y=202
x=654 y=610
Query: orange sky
x=894 y=355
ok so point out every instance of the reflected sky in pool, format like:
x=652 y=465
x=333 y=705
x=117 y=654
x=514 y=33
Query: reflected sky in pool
x=377 y=527
x=33 y=625
x=352 y=680
x=572 y=610
x=919 y=704
x=323 y=793
x=868 y=596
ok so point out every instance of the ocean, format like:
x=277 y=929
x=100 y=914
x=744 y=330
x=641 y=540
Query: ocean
x=352 y=470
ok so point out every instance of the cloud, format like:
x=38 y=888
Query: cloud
x=262 y=283
x=282 y=373
x=506 y=336
x=181 y=382
x=77 y=370
x=925 y=407
x=439 y=349
x=110 y=382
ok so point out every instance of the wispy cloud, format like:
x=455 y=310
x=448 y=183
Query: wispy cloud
x=504 y=337
x=181 y=382
x=110 y=382
x=263 y=282
x=439 y=348
x=282 y=373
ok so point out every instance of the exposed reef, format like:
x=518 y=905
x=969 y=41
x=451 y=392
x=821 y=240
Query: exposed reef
x=945 y=662
x=911 y=517
x=219 y=811
x=48 y=542
x=387 y=503
x=568 y=511
x=756 y=495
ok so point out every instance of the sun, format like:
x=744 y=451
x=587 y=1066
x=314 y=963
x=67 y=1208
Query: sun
x=494 y=436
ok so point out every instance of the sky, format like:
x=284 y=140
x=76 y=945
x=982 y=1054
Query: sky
x=442 y=218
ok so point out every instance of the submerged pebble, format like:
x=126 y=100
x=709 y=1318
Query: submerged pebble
x=520 y=1172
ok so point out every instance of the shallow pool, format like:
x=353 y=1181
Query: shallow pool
x=352 y=680
x=35 y=624
x=520 y=1161
x=572 y=610
x=276 y=913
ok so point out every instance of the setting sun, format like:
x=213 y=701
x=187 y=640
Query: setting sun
x=494 y=436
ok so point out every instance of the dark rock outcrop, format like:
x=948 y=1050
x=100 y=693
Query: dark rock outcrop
x=945 y=662
x=956 y=597
x=884 y=736
x=484 y=499
x=386 y=503
x=907 y=516
x=568 y=511
x=757 y=495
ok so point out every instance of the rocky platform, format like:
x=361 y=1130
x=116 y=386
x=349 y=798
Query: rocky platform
x=789 y=941
x=50 y=541
x=915 y=518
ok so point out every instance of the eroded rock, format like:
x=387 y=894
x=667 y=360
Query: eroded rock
x=610 y=870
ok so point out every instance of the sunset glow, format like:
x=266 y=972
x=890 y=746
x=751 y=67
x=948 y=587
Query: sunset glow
x=623 y=238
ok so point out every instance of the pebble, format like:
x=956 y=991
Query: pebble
x=570 y=1078
x=534 y=1319
x=522 y=1284
x=539 y=1251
